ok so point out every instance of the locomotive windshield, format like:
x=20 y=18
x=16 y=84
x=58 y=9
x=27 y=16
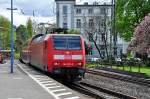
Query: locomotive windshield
x=67 y=42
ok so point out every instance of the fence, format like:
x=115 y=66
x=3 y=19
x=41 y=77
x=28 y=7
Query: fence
x=113 y=64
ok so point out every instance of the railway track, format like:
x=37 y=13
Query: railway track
x=84 y=90
x=136 y=80
x=98 y=92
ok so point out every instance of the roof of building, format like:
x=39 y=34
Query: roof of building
x=65 y=0
x=109 y=5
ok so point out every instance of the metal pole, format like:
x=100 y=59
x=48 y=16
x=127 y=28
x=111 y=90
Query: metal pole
x=12 y=39
x=114 y=30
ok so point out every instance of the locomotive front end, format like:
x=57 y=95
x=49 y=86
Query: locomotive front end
x=69 y=56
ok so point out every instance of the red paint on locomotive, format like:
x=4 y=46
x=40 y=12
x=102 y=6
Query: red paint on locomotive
x=62 y=54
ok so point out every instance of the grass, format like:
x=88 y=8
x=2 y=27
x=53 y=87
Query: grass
x=90 y=65
x=143 y=69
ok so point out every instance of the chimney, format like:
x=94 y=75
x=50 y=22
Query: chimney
x=85 y=3
x=95 y=3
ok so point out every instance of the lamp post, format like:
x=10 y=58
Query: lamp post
x=115 y=33
x=12 y=37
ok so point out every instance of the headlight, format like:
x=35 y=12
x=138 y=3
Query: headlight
x=56 y=63
x=77 y=57
x=59 y=57
x=79 y=64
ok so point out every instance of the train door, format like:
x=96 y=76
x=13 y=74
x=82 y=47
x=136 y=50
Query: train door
x=36 y=51
x=1 y=57
x=45 y=64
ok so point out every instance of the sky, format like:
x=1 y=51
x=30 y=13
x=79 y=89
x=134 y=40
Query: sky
x=44 y=10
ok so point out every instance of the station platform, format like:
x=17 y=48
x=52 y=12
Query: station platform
x=22 y=84
x=18 y=85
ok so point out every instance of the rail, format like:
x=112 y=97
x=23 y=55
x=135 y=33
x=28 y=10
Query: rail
x=99 y=92
x=117 y=76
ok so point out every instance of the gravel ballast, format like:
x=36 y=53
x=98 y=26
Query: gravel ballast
x=132 y=89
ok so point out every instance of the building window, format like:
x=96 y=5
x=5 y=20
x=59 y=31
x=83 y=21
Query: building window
x=90 y=11
x=99 y=26
x=91 y=23
x=103 y=23
x=102 y=47
x=65 y=9
x=103 y=53
x=78 y=24
x=90 y=37
x=103 y=37
x=78 y=11
x=65 y=19
x=65 y=25
x=104 y=11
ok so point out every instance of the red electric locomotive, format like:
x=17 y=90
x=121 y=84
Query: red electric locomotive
x=60 y=54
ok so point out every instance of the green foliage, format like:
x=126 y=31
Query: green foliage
x=29 y=28
x=5 y=32
x=129 y=56
x=143 y=69
x=128 y=14
x=65 y=31
x=73 y=31
x=21 y=32
x=148 y=62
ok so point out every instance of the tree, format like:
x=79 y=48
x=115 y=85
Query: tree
x=88 y=49
x=95 y=29
x=44 y=28
x=128 y=14
x=5 y=32
x=21 y=32
x=29 y=28
x=141 y=39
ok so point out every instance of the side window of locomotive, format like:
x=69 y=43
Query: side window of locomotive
x=37 y=38
x=34 y=40
x=41 y=38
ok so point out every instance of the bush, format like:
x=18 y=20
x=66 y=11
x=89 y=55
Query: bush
x=17 y=55
x=148 y=62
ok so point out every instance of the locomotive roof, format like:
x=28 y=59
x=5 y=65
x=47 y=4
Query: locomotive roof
x=48 y=35
x=66 y=34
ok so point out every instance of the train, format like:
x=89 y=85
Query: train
x=58 y=54
x=1 y=58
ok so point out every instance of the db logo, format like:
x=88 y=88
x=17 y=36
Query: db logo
x=67 y=52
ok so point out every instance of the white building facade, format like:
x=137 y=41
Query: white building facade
x=93 y=18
